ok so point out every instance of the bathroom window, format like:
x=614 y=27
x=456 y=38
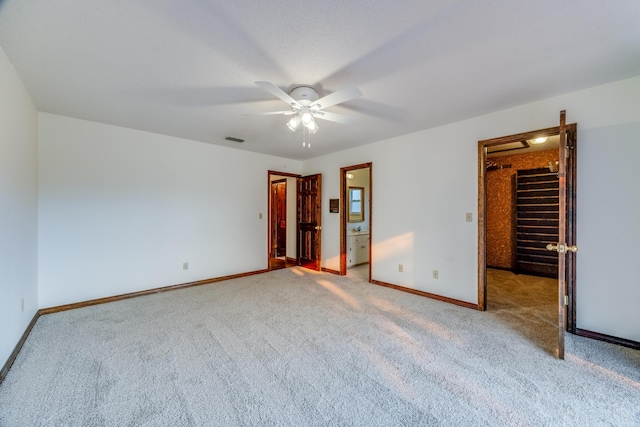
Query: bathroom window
x=356 y=204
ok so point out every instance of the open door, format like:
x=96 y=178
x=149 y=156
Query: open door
x=566 y=218
x=309 y=221
x=566 y=247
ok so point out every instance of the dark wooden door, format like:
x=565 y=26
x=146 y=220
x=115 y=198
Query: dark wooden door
x=566 y=247
x=309 y=221
x=279 y=218
x=562 y=226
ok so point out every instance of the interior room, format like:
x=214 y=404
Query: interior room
x=172 y=248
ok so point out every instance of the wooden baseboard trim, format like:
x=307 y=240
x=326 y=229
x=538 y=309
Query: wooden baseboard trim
x=82 y=304
x=608 y=338
x=16 y=350
x=427 y=294
x=291 y=260
x=501 y=268
x=329 y=270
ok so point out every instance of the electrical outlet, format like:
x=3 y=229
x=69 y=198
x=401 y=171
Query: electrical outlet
x=469 y=217
x=185 y=265
x=400 y=268
x=260 y=215
x=435 y=274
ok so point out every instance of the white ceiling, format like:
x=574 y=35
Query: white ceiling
x=187 y=68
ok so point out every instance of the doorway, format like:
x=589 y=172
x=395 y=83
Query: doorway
x=530 y=230
x=281 y=220
x=356 y=203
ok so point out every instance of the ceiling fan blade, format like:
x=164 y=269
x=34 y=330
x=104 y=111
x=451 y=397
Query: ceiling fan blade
x=275 y=90
x=273 y=113
x=334 y=117
x=343 y=95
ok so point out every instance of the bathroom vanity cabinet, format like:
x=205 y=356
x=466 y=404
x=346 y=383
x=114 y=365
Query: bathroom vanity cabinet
x=357 y=248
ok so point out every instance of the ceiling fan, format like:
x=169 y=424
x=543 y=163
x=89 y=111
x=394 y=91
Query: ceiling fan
x=306 y=105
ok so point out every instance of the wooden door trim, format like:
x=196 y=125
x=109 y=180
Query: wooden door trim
x=482 y=211
x=269 y=231
x=343 y=215
x=285 y=174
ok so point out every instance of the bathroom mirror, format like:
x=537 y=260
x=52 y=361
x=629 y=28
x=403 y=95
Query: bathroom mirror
x=356 y=204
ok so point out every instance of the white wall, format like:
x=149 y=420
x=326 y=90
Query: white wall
x=120 y=210
x=608 y=224
x=425 y=182
x=18 y=209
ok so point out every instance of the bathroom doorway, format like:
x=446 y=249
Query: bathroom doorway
x=356 y=203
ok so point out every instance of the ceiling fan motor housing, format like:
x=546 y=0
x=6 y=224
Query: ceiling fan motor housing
x=305 y=95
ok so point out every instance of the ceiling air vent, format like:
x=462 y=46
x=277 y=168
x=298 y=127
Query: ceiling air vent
x=234 y=139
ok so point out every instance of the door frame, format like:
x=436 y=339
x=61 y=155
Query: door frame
x=570 y=324
x=343 y=214
x=270 y=173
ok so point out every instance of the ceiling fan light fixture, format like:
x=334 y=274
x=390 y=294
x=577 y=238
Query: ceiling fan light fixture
x=312 y=126
x=306 y=117
x=294 y=123
x=306 y=105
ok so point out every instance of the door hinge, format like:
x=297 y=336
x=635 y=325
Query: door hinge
x=566 y=300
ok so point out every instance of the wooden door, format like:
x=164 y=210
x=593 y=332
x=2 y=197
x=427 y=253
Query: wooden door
x=279 y=218
x=309 y=221
x=566 y=230
x=562 y=227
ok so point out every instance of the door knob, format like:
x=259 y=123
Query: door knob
x=562 y=248
x=318 y=227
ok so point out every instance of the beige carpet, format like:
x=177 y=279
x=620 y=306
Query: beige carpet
x=292 y=347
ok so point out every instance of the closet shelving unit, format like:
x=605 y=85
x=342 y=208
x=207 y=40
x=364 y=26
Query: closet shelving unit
x=536 y=222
